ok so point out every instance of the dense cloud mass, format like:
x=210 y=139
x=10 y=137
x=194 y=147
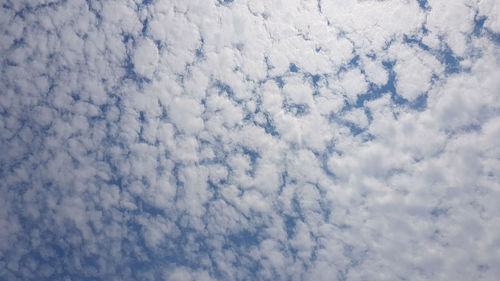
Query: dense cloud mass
x=250 y=140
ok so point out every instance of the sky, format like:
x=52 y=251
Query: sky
x=203 y=140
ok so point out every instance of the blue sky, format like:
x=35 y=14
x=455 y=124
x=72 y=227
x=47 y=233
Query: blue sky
x=249 y=140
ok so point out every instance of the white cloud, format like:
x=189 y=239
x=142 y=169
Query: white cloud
x=357 y=117
x=371 y=24
x=185 y=113
x=453 y=22
x=249 y=140
x=353 y=83
x=414 y=70
x=375 y=72
x=491 y=10
x=146 y=58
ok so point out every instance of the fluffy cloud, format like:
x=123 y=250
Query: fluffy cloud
x=247 y=140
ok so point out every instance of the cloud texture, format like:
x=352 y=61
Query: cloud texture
x=250 y=140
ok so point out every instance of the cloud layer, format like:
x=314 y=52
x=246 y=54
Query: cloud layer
x=249 y=140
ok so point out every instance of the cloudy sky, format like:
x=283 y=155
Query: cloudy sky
x=250 y=140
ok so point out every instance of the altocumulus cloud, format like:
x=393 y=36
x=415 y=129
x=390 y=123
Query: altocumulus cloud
x=250 y=140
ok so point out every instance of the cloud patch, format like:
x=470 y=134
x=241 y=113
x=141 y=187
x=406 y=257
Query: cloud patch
x=247 y=140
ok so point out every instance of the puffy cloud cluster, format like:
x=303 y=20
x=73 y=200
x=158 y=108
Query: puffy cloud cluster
x=249 y=140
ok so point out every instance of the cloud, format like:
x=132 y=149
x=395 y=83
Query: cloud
x=145 y=58
x=249 y=140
